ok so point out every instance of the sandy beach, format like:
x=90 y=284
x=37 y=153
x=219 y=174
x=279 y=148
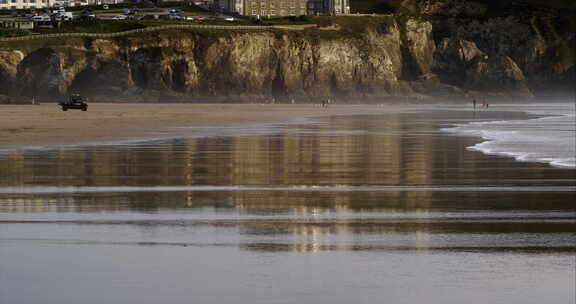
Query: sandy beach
x=46 y=124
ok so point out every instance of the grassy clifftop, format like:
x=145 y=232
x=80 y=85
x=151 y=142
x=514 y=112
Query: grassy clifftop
x=395 y=6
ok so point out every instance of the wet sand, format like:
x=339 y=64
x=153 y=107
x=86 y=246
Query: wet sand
x=46 y=124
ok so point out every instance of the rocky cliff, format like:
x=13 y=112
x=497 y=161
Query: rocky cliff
x=389 y=57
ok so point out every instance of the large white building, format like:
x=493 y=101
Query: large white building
x=34 y=4
x=284 y=7
x=25 y=4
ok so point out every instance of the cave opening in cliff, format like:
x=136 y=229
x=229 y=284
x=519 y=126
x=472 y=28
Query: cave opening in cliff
x=83 y=82
x=410 y=68
x=334 y=87
x=278 y=84
x=179 y=70
x=6 y=88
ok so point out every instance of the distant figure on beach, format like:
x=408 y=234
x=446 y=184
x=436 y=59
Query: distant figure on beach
x=474 y=103
x=486 y=104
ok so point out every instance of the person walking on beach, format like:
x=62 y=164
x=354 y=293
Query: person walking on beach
x=474 y=103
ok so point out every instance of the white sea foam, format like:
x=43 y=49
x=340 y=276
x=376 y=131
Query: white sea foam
x=549 y=139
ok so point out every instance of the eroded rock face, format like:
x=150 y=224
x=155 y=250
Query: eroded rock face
x=40 y=74
x=454 y=57
x=9 y=60
x=103 y=77
x=396 y=59
x=420 y=47
x=497 y=74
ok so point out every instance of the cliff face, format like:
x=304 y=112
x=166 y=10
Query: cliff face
x=395 y=58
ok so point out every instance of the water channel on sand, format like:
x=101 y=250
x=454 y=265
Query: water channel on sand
x=359 y=209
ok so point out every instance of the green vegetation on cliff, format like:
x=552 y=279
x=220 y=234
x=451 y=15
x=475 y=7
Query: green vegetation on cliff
x=403 y=6
x=95 y=26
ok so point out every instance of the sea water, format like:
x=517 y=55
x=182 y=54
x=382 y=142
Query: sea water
x=549 y=137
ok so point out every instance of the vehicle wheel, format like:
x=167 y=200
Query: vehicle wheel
x=64 y=109
x=85 y=108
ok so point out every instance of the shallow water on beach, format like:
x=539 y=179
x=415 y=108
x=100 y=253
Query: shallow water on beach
x=347 y=209
x=549 y=138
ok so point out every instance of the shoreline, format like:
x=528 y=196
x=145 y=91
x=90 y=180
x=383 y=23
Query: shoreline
x=45 y=125
x=39 y=127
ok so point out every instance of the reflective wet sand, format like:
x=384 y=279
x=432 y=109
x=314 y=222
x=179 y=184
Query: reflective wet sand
x=365 y=209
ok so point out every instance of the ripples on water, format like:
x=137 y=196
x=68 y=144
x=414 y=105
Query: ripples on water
x=360 y=209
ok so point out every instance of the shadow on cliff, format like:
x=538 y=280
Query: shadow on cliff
x=385 y=57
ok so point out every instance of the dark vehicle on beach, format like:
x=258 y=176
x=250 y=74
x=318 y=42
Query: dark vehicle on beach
x=74 y=102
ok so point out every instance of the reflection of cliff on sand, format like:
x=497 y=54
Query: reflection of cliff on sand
x=384 y=156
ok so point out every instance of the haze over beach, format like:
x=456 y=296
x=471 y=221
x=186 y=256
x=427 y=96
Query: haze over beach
x=423 y=151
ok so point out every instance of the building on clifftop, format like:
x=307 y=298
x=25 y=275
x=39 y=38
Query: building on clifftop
x=277 y=8
x=25 y=4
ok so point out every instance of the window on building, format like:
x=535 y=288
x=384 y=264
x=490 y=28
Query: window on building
x=254 y=12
